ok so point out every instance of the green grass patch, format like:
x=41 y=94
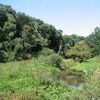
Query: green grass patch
x=87 y=67
x=35 y=80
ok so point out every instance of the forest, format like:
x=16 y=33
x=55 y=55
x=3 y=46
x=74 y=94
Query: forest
x=38 y=62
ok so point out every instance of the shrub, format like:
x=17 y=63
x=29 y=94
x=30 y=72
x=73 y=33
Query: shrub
x=2 y=56
x=54 y=60
x=67 y=63
x=46 y=52
x=80 y=52
x=48 y=56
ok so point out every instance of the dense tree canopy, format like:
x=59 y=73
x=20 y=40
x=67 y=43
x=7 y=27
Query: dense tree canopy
x=80 y=52
x=22 y=36
x=94 y=41
x=69 y=41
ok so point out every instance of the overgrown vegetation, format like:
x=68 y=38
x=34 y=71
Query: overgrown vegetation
x=32 y=80
x=37 y=61
x=22 y=36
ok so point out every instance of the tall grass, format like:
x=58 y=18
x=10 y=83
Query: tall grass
x=88 y=67
x=35 y=80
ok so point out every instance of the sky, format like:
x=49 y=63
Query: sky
x=72 y=16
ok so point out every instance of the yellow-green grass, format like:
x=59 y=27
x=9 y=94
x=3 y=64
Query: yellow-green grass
x=34 y=80
x=87 y=67
x=22 y=75
x=31 y=80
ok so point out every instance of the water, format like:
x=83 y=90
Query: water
x=72 y=79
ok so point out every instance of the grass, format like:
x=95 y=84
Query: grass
x=35 y=80
x=22 y=76
x=30 y=80
x=87 y=67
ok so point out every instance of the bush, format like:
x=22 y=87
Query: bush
x=54 y=60
x=46 y=52
x=80 y=52
x=67 y=63
x=48 y=56
x=2 y=56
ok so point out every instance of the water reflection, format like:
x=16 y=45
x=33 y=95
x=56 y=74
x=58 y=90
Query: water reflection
x=72 y=79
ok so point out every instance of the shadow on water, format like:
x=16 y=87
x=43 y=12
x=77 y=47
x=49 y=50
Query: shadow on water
x=73 y=79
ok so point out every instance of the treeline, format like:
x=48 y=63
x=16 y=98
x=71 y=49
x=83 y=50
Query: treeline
x=23 y=37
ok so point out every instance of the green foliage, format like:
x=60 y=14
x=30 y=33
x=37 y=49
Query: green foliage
x=54 y=60
x=67 y=63
x=9 y=30
x=49 y=57
x=52 y=35
x=3 y=17
x=69 y=41
x=2 y=56
x=29 y=80
x=80 y=52
x=24 y=36
x=87 y=67
x=94 y=41
x=24 y=76
x=46 y=52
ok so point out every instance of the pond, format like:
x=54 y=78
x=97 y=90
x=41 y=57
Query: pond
x=73 y=79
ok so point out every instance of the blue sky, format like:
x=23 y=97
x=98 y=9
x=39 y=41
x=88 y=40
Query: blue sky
x=72 y=16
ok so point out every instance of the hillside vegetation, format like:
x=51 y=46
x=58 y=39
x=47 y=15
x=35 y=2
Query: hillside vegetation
x=37 y=62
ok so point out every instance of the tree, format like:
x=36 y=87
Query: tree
x=80 y=52
x=18 y=49
x=2 y=54
x=3 y=17
x=23 y=36
x=93 y=41
x=53 y=36
x=69 y=41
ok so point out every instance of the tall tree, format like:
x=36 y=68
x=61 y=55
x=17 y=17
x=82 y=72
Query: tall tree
x=94 y=41
x=80 y=52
